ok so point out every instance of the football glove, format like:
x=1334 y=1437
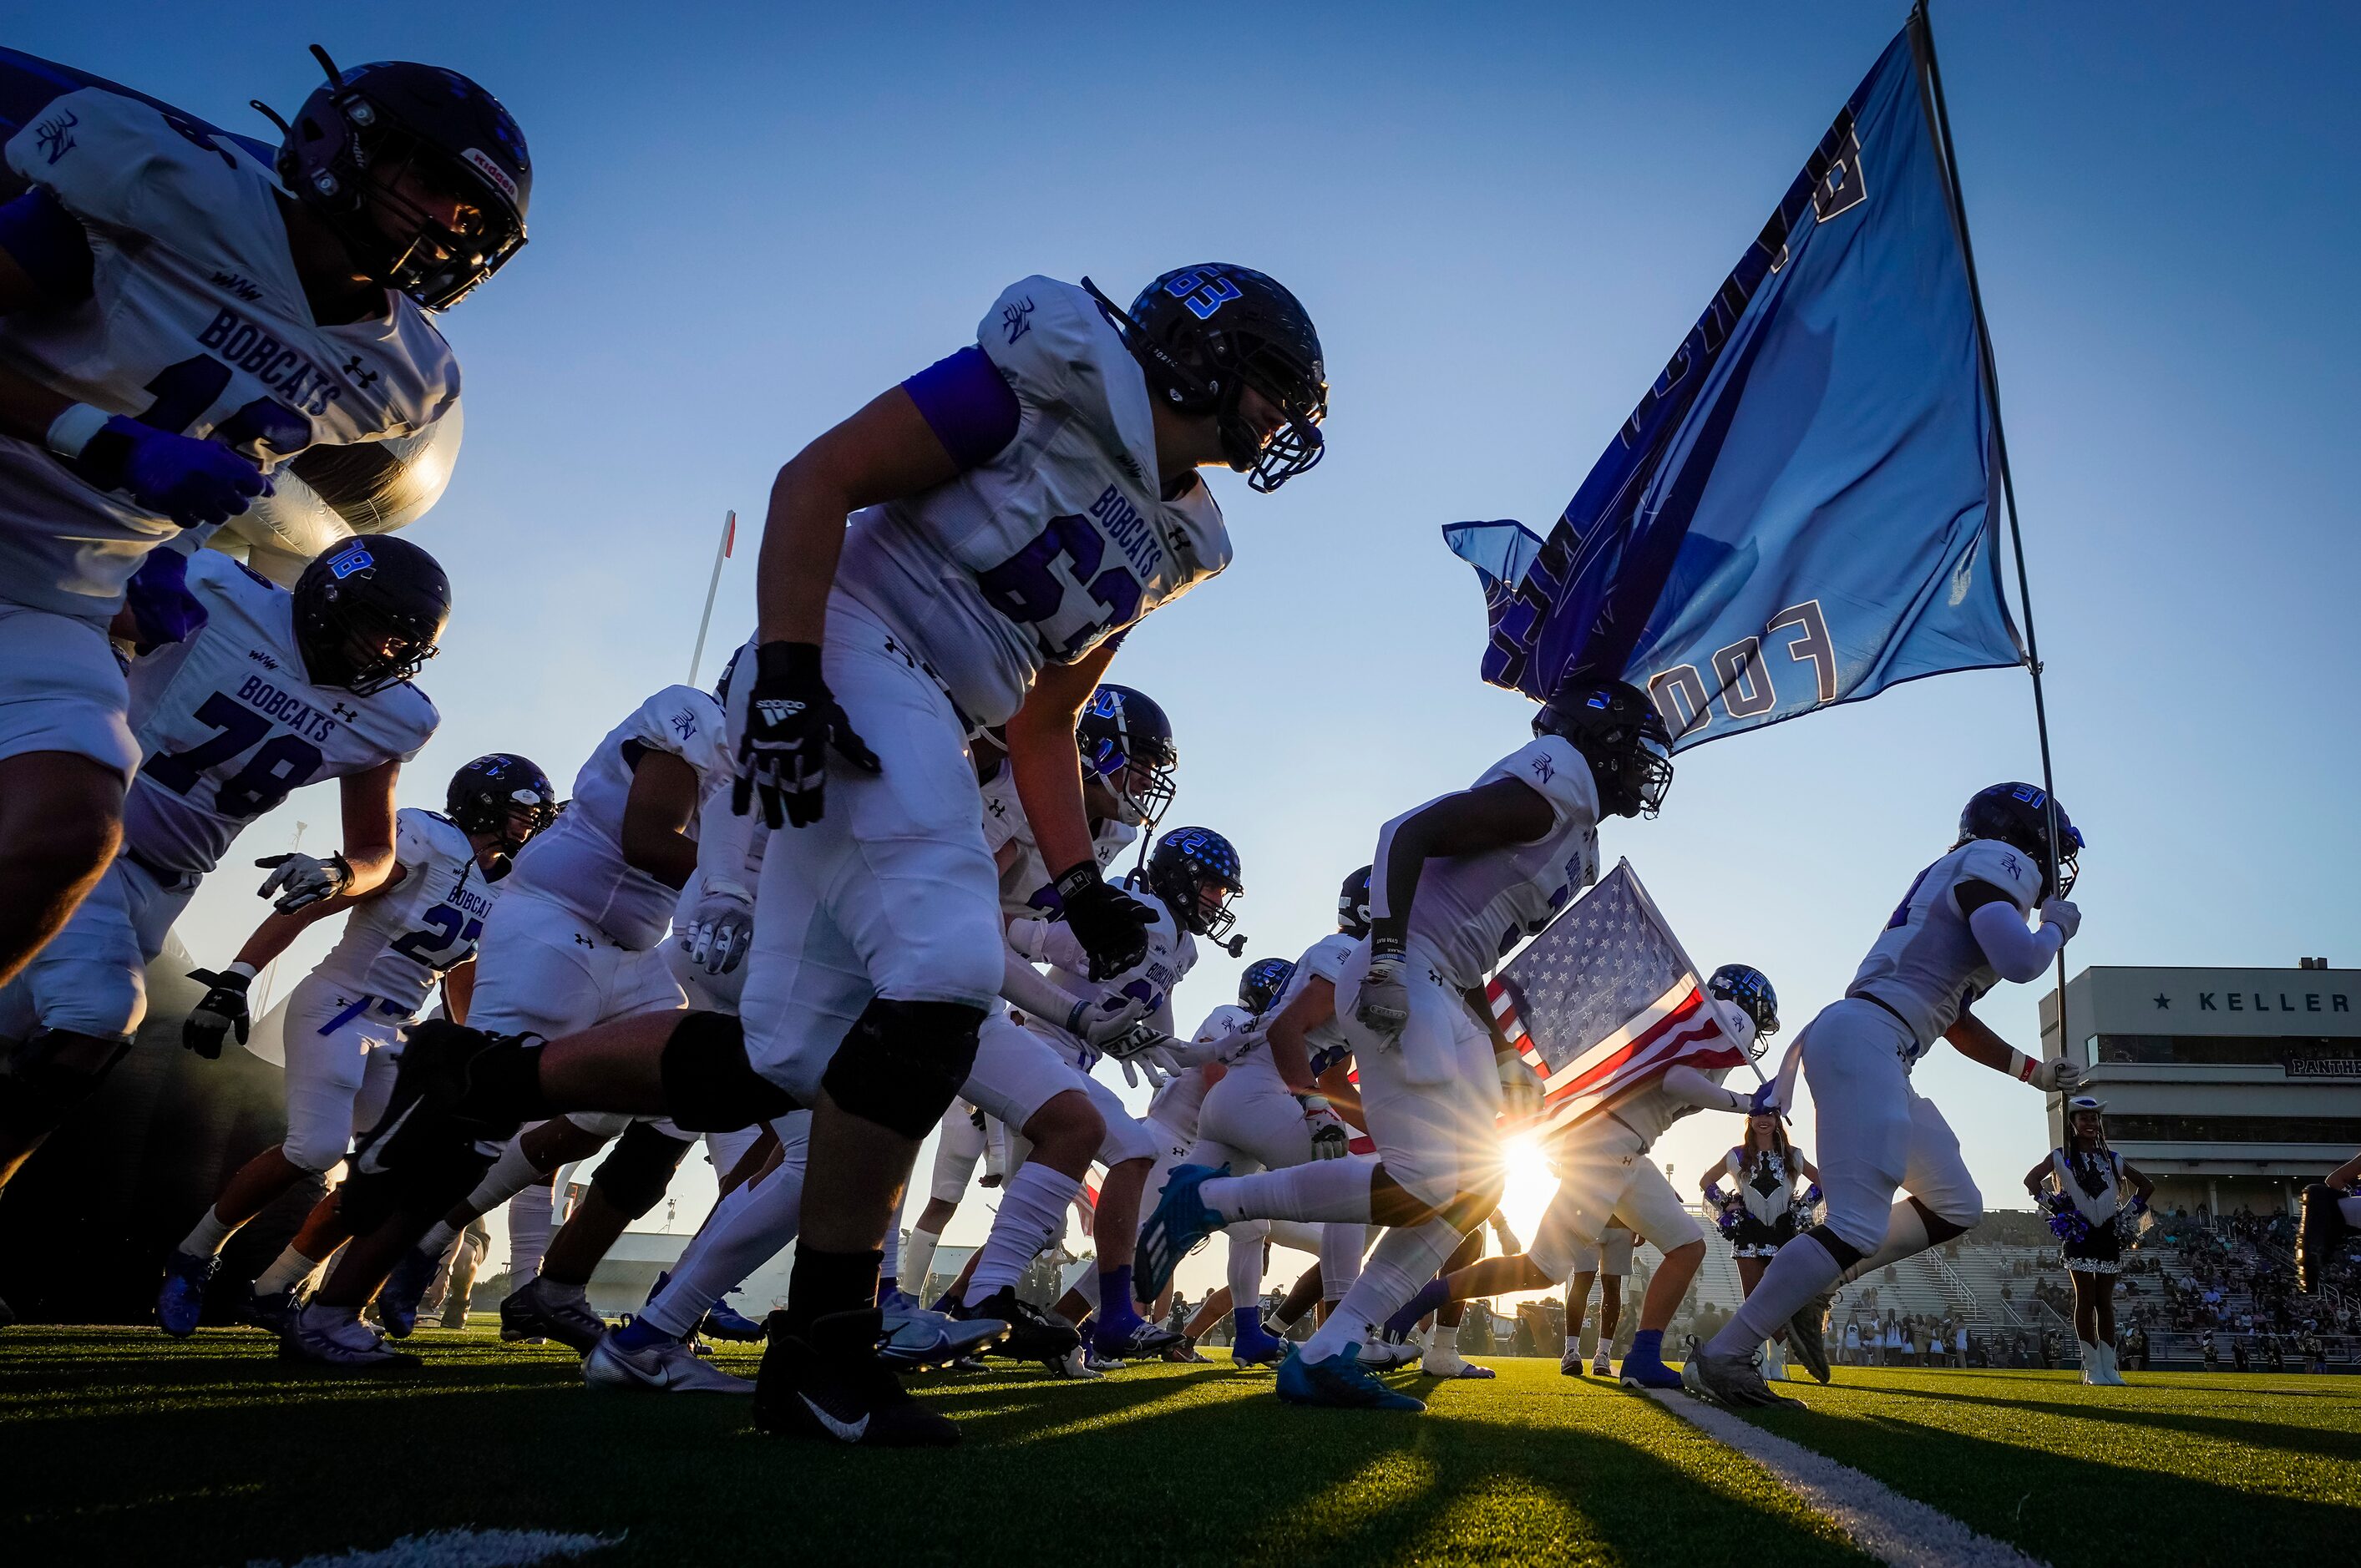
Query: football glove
x=2057 y=1076
x=2061 y=912
x=1103 y=1021
x=1330 y=1138
x=1383 y=1005
x=302 y=881
x=720 y=928
x=190 y=483
x=1764 y=1101
x=222 y=1010
x=1145 y=1050
x=792 y=720
x=1110 y=924
x=1521 y=1092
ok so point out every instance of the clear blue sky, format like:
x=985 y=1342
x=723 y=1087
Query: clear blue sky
x=1502 y=218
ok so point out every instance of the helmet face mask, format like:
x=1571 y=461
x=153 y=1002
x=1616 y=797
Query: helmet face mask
x=503 y=795
x=1353 y=903
x=1127 y=752
x=1620 y=735
x=1749 y=990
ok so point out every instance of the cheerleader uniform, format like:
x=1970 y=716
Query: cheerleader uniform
x=1765 y=1193
x=2093 y=1183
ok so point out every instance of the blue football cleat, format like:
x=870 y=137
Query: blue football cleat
x=181 y=1302
x=1341 y=1381
x=398 y=1297
x=1182 y=1222
x=274 y=1313
x=1650 y=1373
x=725 y=1321
x=1114 y=1343
x=1255 y=1345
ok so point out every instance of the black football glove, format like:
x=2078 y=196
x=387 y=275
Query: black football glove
x=222 y=1009
x=1111 y=924
x=791 y=721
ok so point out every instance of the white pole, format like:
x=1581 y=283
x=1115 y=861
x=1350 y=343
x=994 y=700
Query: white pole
x=721 y=553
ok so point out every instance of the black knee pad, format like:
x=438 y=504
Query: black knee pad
x=709 y=1087
x=1939 y=1228
x=1844 y=1251
x=638 y=1167
x=903 y=1063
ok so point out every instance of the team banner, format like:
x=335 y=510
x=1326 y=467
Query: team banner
x=1803 y=511
x=1604 y=1000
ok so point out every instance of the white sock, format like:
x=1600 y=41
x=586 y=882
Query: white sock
x=211 y=1234
x=890 y=1267
x=510 y=1174
x=529 y=1228
x=749 y=1227
x=288 y=1270
x=1802 y=1269
x=919 y=1258
x=1318 y=1189
x=437 y=1241
x=1032 y=1212
x=1246 y=1263
x=1905 y=1237
x=1404 y=1260
x=1343 y=1245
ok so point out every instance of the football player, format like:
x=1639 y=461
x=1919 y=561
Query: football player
x=1455 y=883
x=1604 y=1172
x=2331 y=1210
x=178 y=318
x=1961 y=929
x=344 y=1021
x=271 y=690
x=1016 y=507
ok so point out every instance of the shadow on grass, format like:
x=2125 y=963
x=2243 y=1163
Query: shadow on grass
x=2312 y=1441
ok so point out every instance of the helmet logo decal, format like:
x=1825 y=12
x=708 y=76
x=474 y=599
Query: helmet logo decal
x=1203 y=294
x=1016 y=319
x=354 y=557
x=477 y=160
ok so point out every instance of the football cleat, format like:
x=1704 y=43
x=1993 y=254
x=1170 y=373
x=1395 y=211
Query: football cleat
x=1650 y=1373
x=1727 y=1379
x=1095 y=1362
x=274 y=1313
x=398 y=1297
x=835 y=1387
x=1177 y=1227
x=1385 y=1355
x=1807 y=1338
x=542 y=1309
x=1033 y=1334
x=914 y=1336
x=666 y=1366
x=1255 y=1345
x=1074 y=1365
x=1570 y=1363
x=182 y=1301
x=347 y=1346
x=1187 y=1354
x=724 y=1322
x=1442 y=1359
x=1600 y=1366
x=1341 y=1381
x=2317 y=1234
x=1114 y=1343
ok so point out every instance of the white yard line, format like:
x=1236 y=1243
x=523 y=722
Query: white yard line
x=462 y=1548
x=1882 y=1521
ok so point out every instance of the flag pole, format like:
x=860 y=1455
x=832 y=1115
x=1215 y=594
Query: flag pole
x=1925 y=31
x=721 y=553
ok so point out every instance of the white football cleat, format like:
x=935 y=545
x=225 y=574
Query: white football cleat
x=667 y=1367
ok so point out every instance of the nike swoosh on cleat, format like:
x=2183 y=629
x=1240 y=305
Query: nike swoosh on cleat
x=847 y=1432
x=368 y=1163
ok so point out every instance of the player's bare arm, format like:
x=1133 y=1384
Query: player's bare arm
x=1313 y=1004
x=657 y=815
x=1048 y=770
x=459 y=988
x=1973 y=1040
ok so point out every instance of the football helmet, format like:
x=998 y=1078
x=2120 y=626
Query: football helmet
x=1203 y=335
x=1259 y=986
x=1353 y=903
x=1183 y=867
x=2019 y=815
x=1620 y=735
x=1126 y=740
x=492 y=793
x=1750 y=989
x=368 y=611
x=356 y=137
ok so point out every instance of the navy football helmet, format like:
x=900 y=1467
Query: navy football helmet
x=368 y=611
x=1184 y=866
x=1203 y=335
x=1353 y=903
x=2019 y=815
x=1620 y=735
x=1259 y=986
x=502 y=793
x=356 y=137
x=1750 y=988
x=1126 y=740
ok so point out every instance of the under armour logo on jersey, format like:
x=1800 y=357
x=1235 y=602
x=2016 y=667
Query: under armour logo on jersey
x=355 y=373
x=777 y=709
x=341 y=711
x=582 y=941
x=55 y=136
x=1016 y=319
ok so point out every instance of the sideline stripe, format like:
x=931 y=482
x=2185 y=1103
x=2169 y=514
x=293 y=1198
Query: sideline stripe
x=1890 y=1526
x=461 y=1549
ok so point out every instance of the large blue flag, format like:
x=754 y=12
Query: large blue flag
x=1803 y=510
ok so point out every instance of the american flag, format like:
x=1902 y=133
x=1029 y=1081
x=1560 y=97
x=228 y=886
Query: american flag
x=1603 y=1001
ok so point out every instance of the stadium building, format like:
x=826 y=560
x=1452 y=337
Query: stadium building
x=2229 y=1087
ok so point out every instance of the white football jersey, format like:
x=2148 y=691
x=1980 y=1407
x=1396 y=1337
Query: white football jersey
x=1222 y=1021
x=1651 y=1108
x=1927 y=965
x=1472 y=909
x=1059 y=541
x=1171 y=954
x=1025 y=886
x=397 y=945
x=578 y=860
x=1179 y=1102
x=230 y=724
x=1323 y=959
x=197 y=324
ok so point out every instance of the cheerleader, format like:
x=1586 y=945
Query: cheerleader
x=2089 y=1213
x=1762 y=1209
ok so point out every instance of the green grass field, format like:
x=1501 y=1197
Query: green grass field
x=121 y=1446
